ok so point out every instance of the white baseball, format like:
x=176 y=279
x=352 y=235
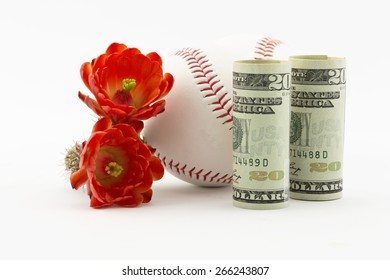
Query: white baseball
x=193 y=136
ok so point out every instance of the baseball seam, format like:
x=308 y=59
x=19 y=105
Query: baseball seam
x=194 y=173
x=265 y=48
x=210 y=85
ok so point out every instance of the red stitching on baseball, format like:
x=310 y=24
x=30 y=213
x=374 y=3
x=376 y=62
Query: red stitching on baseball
x=194 y=173
x=215 y=176
x=213 y=87
x=163 y=161
x=223 y=179
x=265 y=47
x=205 y=176
x=190 y=172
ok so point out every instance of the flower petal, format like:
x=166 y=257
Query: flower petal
x=153 y=56
x=102 y=124
x=146 y=182
x=169 y=80
x=130 y=201
x=156 y=167
x=85 y=72
x=79 y=178
x=115 y=48
x=92 y=104
x=148 y=112
x=147 y=196
x=96 y=203
x=146 y=92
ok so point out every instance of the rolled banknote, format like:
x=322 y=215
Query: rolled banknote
x=317 y=127
x=261 y=120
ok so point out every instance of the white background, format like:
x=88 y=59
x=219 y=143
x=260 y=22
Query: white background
x=44 y=43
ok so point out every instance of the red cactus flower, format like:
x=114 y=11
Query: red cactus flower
x=117 y=167
x=127 y=85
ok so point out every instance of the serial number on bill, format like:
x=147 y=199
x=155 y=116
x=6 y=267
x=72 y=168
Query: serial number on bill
x=308 y=154
x=250 y=161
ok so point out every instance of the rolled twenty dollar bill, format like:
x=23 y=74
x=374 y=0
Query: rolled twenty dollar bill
x=317 y=127
x=261 y=121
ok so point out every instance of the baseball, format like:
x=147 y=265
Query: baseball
x=193 y=136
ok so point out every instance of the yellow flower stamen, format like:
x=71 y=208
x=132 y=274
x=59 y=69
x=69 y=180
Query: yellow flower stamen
x=128 y=85
x=114 y=169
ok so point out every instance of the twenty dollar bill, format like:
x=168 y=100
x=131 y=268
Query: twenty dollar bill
x=261 y=110
x=317 y=127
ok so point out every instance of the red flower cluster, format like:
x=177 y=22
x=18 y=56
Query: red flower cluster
x=128 y=86
x=115 y=165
